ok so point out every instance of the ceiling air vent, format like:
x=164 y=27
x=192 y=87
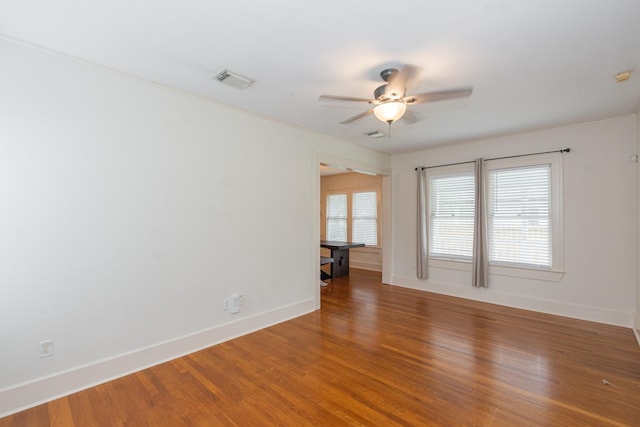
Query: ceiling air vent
x=233 y=79
x=374 y=134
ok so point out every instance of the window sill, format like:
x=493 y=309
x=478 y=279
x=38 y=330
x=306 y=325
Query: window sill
x=367 y=249
x=499 y=270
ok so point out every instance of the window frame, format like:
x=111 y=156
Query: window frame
x=554 y=160
x=556 y=272
x=445 y=171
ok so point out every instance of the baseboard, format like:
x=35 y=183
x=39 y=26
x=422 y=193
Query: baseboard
x=32 y=393
x=637 y=334
x=363 y=265
x=576 y=311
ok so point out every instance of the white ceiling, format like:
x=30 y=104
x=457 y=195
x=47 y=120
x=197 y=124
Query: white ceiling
x=532 y=63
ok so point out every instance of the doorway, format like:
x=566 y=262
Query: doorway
x=344 y=176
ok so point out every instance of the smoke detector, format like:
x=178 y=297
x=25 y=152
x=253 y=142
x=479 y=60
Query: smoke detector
x=233 y=79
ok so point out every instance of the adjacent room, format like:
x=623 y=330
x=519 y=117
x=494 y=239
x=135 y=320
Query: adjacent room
x=337 y=213
x=349 y=221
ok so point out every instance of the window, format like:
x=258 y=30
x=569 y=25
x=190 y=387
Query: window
x=451 y=217
x=337 y=217
x=353 y=216
x=519 y=216
x=365 y=218
x=524 y=211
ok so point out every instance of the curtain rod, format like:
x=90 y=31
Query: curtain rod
x=564 y=150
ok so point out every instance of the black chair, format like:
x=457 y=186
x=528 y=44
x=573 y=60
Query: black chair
x=324 y=260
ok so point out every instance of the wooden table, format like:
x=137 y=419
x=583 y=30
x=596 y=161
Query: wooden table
x=340 y=255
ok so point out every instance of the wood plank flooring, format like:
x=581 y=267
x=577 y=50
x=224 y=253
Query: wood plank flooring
x=378 y=355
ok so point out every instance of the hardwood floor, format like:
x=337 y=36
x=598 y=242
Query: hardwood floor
x=378 y=355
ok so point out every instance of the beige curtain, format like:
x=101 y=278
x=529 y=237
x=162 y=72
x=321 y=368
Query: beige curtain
x=480 y=268
x=422 y=261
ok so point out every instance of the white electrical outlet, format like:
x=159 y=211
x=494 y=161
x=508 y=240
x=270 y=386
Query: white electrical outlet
x=46 y=348
x=235 y=303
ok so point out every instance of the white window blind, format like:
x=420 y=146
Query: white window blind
x=519 y=216
x=337 y=217
x=451 y=215
x=365 y=218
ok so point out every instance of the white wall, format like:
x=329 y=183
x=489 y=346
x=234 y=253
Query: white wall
x=600 y=223
x=129 y=211
x=637 y=317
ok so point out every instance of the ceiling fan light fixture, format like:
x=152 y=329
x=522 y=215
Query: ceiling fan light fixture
x=389 y=112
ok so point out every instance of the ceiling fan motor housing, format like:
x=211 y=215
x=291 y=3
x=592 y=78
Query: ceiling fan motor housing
x=389 y=74
x=387 y=93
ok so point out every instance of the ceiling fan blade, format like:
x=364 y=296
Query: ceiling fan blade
x=343 y=98
x=407 y=76
x=356 y=117
x=441 y=95
x=409 y=118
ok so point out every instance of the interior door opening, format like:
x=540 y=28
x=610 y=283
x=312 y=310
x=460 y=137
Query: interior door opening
x=361 y=208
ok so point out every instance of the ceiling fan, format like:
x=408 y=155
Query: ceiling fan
x=390 y=100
